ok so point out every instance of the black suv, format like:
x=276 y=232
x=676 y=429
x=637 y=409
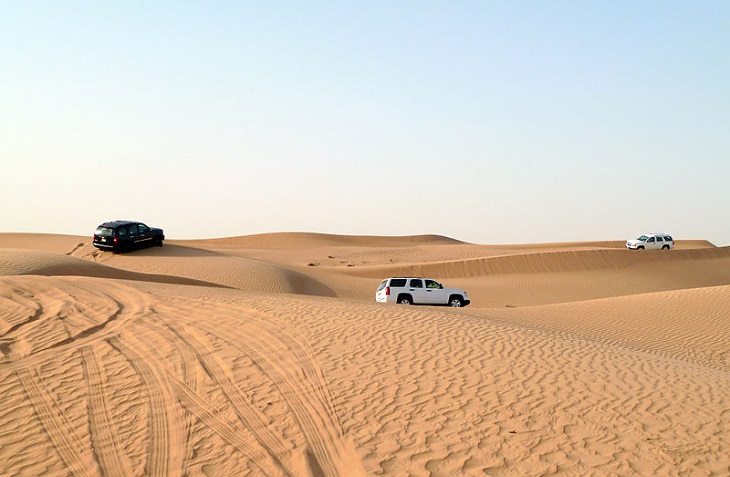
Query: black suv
x=125 y=235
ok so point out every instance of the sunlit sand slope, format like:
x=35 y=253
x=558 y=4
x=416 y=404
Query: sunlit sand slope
x=690 y=325
x=101 y=377
x=536 y=277
x=105 y=378
x=546 y=262
x=266 y=355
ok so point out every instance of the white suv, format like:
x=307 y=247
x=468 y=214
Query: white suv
x=419 y=291
x=653 y=241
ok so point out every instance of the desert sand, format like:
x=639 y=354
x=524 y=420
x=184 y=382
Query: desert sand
x=267 y=355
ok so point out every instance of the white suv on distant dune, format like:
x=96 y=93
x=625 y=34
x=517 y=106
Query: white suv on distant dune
x=655 y=241
x=419 y=291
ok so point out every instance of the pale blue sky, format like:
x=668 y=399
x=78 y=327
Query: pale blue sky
x=490 y=122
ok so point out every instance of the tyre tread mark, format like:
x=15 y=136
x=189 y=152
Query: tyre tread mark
x=272 y=353
x=164 y=432
x=249 y=416
x=127 y=302
x=106 y=446
x=77 y=459
x=197 y=406
x=207 y=415
x=304 y=356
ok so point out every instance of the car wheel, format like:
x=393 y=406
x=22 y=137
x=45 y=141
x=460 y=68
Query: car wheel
x=640 y=247
x=455 y=301
x=405 y=300
x=665 y=247
x=158 y=242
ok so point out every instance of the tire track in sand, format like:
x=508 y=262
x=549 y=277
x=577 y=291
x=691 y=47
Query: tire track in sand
x=57 y=318
x=294 y=372
x=82 y=313
x=73 y=452
x=65 y=314
x=200 y=407
x=106 y=446
x=246 y=412
x=191 y=379
x=166 y=435
x=305 y=359
x=207 y=414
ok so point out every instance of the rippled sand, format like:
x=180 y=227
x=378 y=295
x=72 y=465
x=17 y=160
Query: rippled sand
x=266 y=355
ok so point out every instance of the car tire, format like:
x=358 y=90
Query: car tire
x=455 y=301
x=405 y=300
x=158 y=242
x=640 y=247
x=665 y=247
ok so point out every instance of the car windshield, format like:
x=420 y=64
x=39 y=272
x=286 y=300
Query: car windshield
x=103 y=232
x=643 y=238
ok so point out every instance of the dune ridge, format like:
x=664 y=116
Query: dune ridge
x=33 y=262
x=544 y=262
x=309 y=239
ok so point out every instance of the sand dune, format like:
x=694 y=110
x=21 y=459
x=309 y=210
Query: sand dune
x=545 y=262
x=65 y=244
x=308 y=240
x=32 y=262
x=266 y=355
x=237 y=272
x=691 y=325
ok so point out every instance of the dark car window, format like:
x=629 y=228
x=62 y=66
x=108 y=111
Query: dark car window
x=133 y=229
x=398 y=282
x=104 y=232
x=659 y=239
x=667 y=238
x=143 y=229
x=433 y=284
x=416 y=283
x=122 y=231
x=651 y=240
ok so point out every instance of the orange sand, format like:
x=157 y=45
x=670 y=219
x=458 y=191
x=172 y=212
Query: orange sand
x=267 y=355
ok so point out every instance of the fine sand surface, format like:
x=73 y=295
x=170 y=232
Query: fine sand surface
x=266 y=355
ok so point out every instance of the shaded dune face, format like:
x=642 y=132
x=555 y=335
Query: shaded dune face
x=266 y=355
